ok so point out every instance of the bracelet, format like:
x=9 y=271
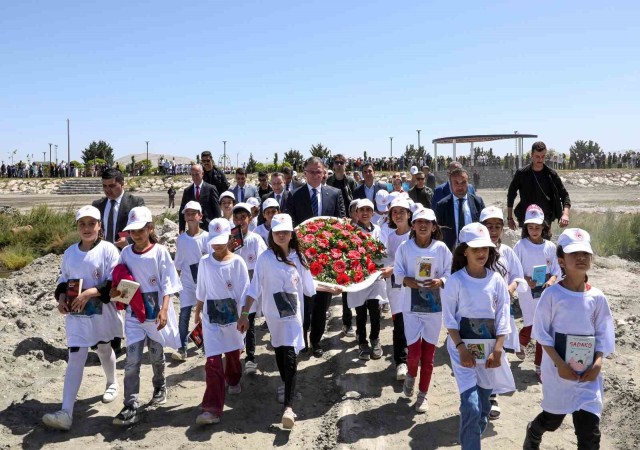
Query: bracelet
x=244 y=313
x=459 y=344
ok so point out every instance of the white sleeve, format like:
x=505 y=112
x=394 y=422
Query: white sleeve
x=503 y=322
x=169 y=281
x=179 y=254
x=241 y=284
x=254 y=289
x=308 y=283
x=605 y=335
x=261 y=246
x=541 y=331
x=515 y=271
x=111 y=261
x=450 y=295
x=201 y=285
x=399 y=265
x=447 y=259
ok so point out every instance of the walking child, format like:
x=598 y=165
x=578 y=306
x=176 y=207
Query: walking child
x=227 y=200
x=91 y=320
x=270 y=207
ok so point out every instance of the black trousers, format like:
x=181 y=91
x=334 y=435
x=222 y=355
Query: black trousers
x=250 y=338
x=347 y=315
x=399 y=340
x=586 y=424
x=287 y=366
x=373 y=307
x=315 y=316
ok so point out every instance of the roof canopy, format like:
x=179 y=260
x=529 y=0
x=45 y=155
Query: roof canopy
x=481 y=138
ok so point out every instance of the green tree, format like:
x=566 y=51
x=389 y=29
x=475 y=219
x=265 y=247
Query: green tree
x=581 y=149
x=98 y=149
x=275 y=161
x=251 y=164
x=294 y=158
x=320 y=151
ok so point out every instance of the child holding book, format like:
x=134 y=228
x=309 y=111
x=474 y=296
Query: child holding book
x=150 y=265
x=421 y=298
x=368 y=300
x=253 y=246
x=270 y=207
x=227 y=200
x=572 y=312
x=220 y=291
x=191 y=246
x=91 y=320
x=280 y=281
x=475 y=305
x=535 y=251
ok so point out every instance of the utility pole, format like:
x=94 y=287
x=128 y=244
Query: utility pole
x=224 y=157
x=147 y=150
x=418 y=139
x=68 y=148
x=50 y=144
x=391 y=143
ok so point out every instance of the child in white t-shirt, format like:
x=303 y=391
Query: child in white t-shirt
x=475 y=305
x=91 y=320
x=255 y=212
x=227 y=201
x=572 y=310
x=222 y=282
x=191 y=246
x=270 y=207
x=150 y=265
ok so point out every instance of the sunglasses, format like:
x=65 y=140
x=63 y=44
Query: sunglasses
x=341 y=163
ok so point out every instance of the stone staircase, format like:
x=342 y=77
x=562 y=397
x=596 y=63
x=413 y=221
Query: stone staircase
x=79 y=186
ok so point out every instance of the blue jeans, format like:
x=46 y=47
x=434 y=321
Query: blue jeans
x=132 y=369
x=183 y=326
x=474 y=416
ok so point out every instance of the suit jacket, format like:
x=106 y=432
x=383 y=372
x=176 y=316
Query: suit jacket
x=209 y=200
x=295 y=185
x=127 y=203
x=447 y=220
x=359 y=191
x=249 y=191
x=284 y=198
x=442 y=190
x=299 y=204
x=413 y=195
x=217 y=177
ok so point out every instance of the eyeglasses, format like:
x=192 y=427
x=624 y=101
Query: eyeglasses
x=315 y=172
x=341 y=163
x=420 y=178
x=205 y=160
x=261 y=180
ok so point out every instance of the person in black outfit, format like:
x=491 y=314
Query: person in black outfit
x=203 y=193
x=172 y=197
x=421 y=193
x=263 y=185
x=213 y=175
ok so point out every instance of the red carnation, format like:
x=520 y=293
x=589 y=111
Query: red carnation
x=322 y=243
x=310 y=252
x=356 y=241
x=372 y=246
x=349 y=227
x=335 y=253
x=342 y=279
x=339 y=266
x=315 y=268
x=362 y=250
x=320 y=224
x=342 y=245
x=345 y=233
x=312 y=228
x=353 y=254
x=308 y=238
x=371 y=267
x=337 y=226
x=323 y=258
x=358 y=276
x=355 y=265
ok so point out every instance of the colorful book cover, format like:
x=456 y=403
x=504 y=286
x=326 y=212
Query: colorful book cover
x=127 y=289
x=480 y=348
x=472 y=328
x=196 y=335
x=539 y=274
x=577 y=351
x=424 y=266
x=222 y=311
x=425 y=301
x=287 y=304
x=74 y=287
x=237 y=241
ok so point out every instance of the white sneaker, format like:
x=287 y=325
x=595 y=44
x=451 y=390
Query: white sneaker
x=422 y=405
x=233 y=390
x=179 y=356
x=288 y=419
x=250 y=367
x=401 y=371
x=110 y=393
x=60 y=420
x=207 y=418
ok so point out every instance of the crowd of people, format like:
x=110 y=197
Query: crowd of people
x=445 y=267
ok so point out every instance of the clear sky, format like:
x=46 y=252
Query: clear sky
x=267 y=76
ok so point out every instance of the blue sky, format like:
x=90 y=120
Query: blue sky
x=267 y=76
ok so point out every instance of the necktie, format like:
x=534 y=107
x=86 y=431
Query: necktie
x=314 y=202
x=241 y=194
x=278 y=199
x=460 y=214
x=110 y=225
x=197 y=193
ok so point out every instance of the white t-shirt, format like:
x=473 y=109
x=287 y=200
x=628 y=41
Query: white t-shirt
x=157 y=275
x=280 y=288
x=253 y=246
x=189 y=251
x=221 y=288
x=263 y=232
x=253 y=224
x=511 y=264
x=464 y=300
x=531 y=255
x=581 y=313
x=417 y=324
x=378 y=290
x=392 y=243
x=98 y=322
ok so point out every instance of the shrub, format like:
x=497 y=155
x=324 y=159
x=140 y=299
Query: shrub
x=15 y=257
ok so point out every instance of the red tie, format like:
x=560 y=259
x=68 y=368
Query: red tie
x=197 y=193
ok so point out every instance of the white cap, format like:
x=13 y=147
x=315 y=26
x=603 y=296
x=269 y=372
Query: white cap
x=88 y=211
x=253 y=201
x=415 y=206
x=491 y=212
x=475 y=235
x=575 y=240
x=294 y=173
x=534 y=214
x=138 y=218
x=330 y=172
x=192 y=205
x=242 y=207
x=392 y=196
x=270 y=203
x=219 y=231
x=281 y=222
x=364 y=202
x=228 y=194
x=425 y=214
x=381 y=200
x=400 y=202
x=353 y=203
x=414 y=170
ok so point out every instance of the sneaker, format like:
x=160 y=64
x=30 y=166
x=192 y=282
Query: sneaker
x=207 y=418
x=495 y=409
x=385 y=308
x=539 y=374
x=288 y=419
x=348 y=331
x=422 y=405
x=233 y=390
x=180 y=355
x=365 y=353
x=159 y=396
x=401 y=371
x=376 y=352
x=111 y=393
x=521 y=354
x=407 y=388
x=280 y=394
x=250 y=367
x=128 y=416
x=532 y=440
x=60 y=420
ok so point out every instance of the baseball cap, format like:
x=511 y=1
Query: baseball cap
x=192 y=205
x=138 y=218
x=364 y=202
x=281 y=222
x=424 y=213
x=414 y=170
x=88 y=211
x=219 y=231
x=534 y=214
x=491 y=212
x=353 y=203
x=270 y=203
x=400 y=202
x=475 y=235
x=253 y=201
x=381 y=200
x=228 y=194
x=574 y=240
x=242 y=207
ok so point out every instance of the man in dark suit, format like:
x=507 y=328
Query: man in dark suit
x=290 y=184
x=242 y=190
x=444 y=189
x=369 y=188
x=457 y=209
x=278 y=192
x=312 y=200
x=212 y=174
x=204 y=193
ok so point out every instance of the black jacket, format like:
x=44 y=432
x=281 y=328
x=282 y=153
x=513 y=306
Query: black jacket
x=127 y=203
x=209 y=200
x=350 y=186
x=446 y=218
x=299 y=204
x=217 y=178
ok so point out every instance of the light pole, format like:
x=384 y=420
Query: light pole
x=147 y=151
x=237 y=159
x=418 y=139
x=391 y=144
x=44 y=157
x=56 y=151
x=224 y=158
x=50 y=144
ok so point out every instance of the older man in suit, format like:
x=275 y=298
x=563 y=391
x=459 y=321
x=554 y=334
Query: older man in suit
x=369 y=188
x=459 y=208
x=242 y=190
x=313 y=200
x=278 y=192
x=204 y=193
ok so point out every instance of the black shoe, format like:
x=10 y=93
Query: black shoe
x=128 y=416
x=318 y=352
x=159 y=396
x=365 y=353
x=376 y=351
x=532 y=439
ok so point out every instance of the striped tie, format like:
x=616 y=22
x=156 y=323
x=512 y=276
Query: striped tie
x=314 y=202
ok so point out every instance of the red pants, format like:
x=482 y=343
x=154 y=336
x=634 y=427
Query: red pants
x=525 y=338
x=423 y=353
x=214 y=394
